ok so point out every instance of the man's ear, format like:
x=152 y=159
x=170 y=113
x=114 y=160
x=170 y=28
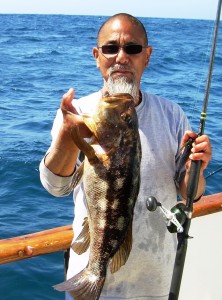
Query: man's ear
x=95 y=52
x=149 y=51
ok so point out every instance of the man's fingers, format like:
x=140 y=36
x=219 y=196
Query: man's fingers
x=67 y=98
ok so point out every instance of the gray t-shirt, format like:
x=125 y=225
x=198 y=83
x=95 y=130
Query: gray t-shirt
x=147 y=273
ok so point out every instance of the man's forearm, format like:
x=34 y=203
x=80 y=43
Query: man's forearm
x=61 y=160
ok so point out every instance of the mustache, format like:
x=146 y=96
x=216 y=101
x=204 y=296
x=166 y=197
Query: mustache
x=115 y=68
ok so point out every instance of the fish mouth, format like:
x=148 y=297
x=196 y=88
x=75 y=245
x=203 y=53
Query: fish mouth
x=118 y=97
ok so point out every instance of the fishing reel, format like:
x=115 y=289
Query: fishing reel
x=175 y=217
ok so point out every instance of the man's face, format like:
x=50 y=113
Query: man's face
x=121 y=32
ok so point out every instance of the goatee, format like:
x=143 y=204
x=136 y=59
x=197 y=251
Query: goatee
x=122 y=85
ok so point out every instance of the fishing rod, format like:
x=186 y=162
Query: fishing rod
x=193 y=178
x=179 y=217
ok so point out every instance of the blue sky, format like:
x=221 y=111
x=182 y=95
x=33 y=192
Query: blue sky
x=193 y=9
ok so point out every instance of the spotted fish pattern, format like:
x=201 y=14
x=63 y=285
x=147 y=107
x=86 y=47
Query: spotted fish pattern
x=111 y=180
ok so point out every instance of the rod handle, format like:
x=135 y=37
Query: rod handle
x=193 y=179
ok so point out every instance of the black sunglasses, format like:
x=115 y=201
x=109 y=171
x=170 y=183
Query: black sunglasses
x=114 y=49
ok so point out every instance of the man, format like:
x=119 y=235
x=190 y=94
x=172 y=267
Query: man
x=122 y=54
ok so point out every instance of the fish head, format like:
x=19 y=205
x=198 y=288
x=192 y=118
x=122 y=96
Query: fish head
x=113 y=120
x=115 y=116
x=116 y=111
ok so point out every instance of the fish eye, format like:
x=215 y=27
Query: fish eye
x=126 y=117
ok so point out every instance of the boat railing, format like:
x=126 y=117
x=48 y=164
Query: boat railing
x=59 y=239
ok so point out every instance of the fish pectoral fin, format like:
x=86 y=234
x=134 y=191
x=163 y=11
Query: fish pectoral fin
x=86 y=148
x=103 y=158
x=90 y=123
x=81 y=244
x=120 y=257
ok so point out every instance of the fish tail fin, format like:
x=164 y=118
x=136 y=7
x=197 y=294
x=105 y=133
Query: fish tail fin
x=83 y=286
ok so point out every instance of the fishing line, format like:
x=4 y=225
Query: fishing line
x=213 y=172
x=203 y=71
x=203 y=116
x=208 y=83
x=214 y=33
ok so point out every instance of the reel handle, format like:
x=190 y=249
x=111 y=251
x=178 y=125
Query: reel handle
x=152 y=203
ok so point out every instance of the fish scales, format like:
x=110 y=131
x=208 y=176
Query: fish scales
x=111 y=179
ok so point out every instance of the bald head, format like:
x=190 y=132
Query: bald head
x=131 y=19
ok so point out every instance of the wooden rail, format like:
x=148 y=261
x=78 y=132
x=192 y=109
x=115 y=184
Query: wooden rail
x=58 y=239
x=35 y=244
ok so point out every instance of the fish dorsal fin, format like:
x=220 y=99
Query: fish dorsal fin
x=120 y=257
x=81 y=244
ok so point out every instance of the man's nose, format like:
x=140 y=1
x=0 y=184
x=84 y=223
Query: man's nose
x=122 y=57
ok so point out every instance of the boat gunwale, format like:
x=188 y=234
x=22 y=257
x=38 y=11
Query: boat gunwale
x=60 y=238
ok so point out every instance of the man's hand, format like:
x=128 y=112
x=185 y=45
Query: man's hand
x=71 y=117
x=61 y=160
x=201 y=149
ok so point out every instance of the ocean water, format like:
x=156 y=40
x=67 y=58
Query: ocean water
x=41 y=57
